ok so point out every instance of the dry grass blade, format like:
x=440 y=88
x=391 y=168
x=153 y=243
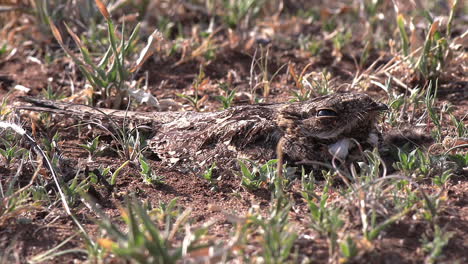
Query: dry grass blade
x=103 y=9
x=56 y=32
x=149 y=49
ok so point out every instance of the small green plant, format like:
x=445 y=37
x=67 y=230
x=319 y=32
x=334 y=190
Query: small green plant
x=4 y=49
x=130 y=140
x=110 y=77
x=460 y=125
x=149 y=176
x=435 y=247
x=461 y=160
x=414 y=164
x=51 y=94
x=251 y=179
x=278 y=235
x=308 y=185
x=349 y=249
x=10 y=152
x=430 y=102
x=264 y=175
x=166 y=212
x=226 y=99
x=143 y=242
x=116 y=173
x=308 y=43
x=436 y=50
x=341 y=40
x=442 y=178
x=51 y=144
x=311 y=84
x=325 y=217
x=108 y=177
x=92 y=147
x=209 y=176
x=195 y=100
x=302 y=92
x=403 y=34
x=236 y=10
x=77 y=186
x=14 y=202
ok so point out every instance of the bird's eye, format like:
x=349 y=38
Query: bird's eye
x=326 y=113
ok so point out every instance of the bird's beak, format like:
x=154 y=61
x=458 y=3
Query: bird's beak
x=378 y=107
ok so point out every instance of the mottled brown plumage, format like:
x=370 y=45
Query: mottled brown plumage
x=314 y=130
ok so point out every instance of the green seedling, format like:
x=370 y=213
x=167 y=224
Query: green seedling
x=166 y=213
x=143 y=242
x=117 y=172
x=460 y=125
x=325 y=217
x=415 y=164
x=209 y=176
x=51 y=94
x=111 y=76
x=441 y=179
x=265 y=175
x=308 y=185
x=434 y=248
x=430 y=102
x=149 y=176
x=92 y=147
x=228 y=98
x=237 y=10
x=461 y=160
x=436 y=49
x=251 y=179
x=312 y=84
x=302 y=93
x=10 y=152
x=278 y=235
x=342 y=39
x=77 y=186
x=349 y=249
x=403 y=34
x=195 y=100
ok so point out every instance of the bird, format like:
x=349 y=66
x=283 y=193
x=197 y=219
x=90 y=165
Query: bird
x=318 y=130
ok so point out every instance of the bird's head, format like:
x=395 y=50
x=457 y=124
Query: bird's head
x=331 y=116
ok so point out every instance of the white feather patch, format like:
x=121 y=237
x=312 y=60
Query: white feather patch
x=340 y=149
x=373 y=139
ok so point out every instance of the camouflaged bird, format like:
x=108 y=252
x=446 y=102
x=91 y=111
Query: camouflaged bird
x=317 y=130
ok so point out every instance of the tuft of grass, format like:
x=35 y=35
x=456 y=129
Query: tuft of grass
x=310 y=85
x=92 y=147
x=111 y=76
x=325 y=217
x=434 y=54
x=264 y=176
x=235 y=11
x=434 y=248
x=277 y=234
x=144 y=242
x=196 y=101
x=415 y=164
x=227 y=99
